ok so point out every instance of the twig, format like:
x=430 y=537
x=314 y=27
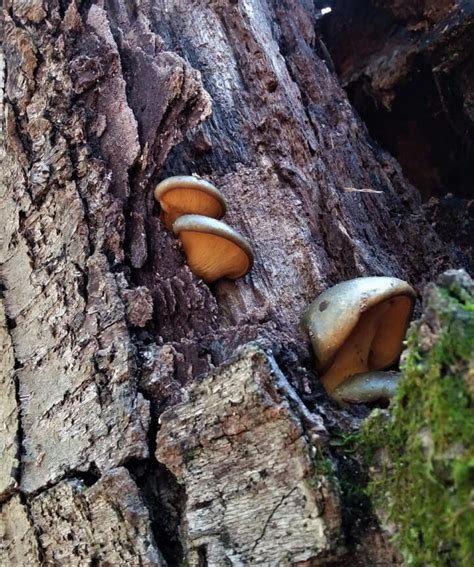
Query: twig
x=365 y=190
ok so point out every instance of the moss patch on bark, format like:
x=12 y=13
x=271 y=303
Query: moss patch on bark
x=421 y=458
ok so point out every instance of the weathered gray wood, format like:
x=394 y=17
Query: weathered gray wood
x=18 y=544
x=106 y=524
x=8 y=412
x=256 y=490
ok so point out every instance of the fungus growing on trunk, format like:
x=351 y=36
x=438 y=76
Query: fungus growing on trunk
x=213 y=249
x=358 y=326
x=184 y=194
x=367 y=388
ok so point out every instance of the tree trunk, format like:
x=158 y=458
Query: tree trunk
x=105 y=326
x=408 y=70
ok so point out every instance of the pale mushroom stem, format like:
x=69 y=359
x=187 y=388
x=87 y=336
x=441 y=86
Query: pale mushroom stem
x=367 y=388
x=353 y=357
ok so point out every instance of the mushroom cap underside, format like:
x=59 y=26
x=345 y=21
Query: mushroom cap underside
x=213 y=249
x=334 y=315
x=184 y=194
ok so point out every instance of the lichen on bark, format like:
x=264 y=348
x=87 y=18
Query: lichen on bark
x=421 y=457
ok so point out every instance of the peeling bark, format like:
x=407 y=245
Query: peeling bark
x=81 y=525
x=254 y=491
x=18 y=544
x=8 y=412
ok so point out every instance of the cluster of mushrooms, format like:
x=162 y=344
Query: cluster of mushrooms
x=191 y=208
x=357 y=329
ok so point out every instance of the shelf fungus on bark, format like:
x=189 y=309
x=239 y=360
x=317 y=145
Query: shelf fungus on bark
x=367 y=388
x=213 y=249
x=184 y=194
x=358 y=326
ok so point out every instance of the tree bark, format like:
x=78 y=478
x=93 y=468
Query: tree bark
x=407 y=68
x=105 y=326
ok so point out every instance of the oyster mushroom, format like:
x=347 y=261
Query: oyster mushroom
x=358 y=326
x=184 y=194
x=367 y=388
x=213 y=249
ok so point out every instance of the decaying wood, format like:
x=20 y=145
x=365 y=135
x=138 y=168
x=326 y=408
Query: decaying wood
x=81 y=525
x=8 y=412
x=254 y=492
x=18 y=544
x=107 y=325
x=408 y=69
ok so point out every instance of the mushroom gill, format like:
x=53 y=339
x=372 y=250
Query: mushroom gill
x=358 y=326
x=184 y=194
x=213 y=249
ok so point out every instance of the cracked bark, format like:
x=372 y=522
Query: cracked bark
x=252 y=482
x=106 y=327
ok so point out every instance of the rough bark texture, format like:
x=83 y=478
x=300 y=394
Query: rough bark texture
x=8 y=412
x=254 y=491
x=105 y=324
x=105 y=523
x=408 y=69
x=18 y=544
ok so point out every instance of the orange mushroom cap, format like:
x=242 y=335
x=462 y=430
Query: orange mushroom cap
x=184 y=194
x=213 y=249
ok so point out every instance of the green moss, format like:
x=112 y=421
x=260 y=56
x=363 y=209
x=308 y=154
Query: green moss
x=425 y=452
x=324 y=465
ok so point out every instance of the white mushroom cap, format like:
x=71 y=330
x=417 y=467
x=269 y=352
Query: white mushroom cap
x=213 y=249
x=184 y=194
